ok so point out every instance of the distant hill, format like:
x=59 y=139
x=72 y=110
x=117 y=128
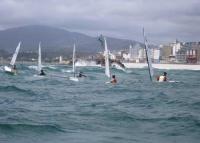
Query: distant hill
x=54 y=40
x=4 y=53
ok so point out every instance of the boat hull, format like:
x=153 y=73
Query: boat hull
x=9 y=70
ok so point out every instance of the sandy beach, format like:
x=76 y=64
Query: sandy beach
x=164 y=66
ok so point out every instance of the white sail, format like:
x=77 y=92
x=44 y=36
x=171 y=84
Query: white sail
x=39 y=58
x=148 y=57
x=73 y=60
x=74 y=78
x=60 y=60
x=106 y=53
x=15 y=54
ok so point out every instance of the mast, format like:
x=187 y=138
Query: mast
x=39 y=58
x=148 y=57
x=73 y=60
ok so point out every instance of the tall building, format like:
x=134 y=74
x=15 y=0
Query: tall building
x=193 y=52
x=155 y=55
x=176 y=46
x=165 y=52
x=181 y=52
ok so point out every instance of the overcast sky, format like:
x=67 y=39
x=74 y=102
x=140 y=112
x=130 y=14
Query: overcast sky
x=164 y=20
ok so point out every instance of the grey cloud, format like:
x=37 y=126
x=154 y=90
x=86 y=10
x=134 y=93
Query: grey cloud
x=163 y=20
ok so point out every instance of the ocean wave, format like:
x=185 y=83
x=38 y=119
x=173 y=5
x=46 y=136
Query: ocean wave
x=52 y=67
x=1 y=68
x=16 y=89
x=31 y=127
x=195 y=105
x=33 y=67
x=187 y=120
x=66 y=71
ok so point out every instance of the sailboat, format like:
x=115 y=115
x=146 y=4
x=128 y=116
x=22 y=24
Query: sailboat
x=74 y=78
x=107 y=64
x=148 y=57
x=40 y=71
x=12 y=69
x=106 y=53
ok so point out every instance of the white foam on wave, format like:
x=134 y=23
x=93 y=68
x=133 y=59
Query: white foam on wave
x=117 y=66
x=33 y=67
x=128 y=71
x=52 y=67
x=85 y=63
x=66 y=71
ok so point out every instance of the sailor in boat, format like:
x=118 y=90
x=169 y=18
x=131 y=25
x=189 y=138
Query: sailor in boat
x=113 y=80
x=162 y=78
x=14 y=69
x=81 y=74
x=42 y=73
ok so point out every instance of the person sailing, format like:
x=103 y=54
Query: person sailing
x=42 y=73
x=81 y=74
x=162 y=78
x=113 y=80
x=14 y=69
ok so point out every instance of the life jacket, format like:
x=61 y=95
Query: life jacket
x=114 y=81
x=162 y=78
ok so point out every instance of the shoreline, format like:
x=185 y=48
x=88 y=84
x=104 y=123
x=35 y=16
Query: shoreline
x=126 y=64
x=163 y=66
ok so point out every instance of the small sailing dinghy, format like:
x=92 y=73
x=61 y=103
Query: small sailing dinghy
x=39 y=68
x=74 y=78
x=12 y=67
x=41 y=73
x=107 y=64
x=149 y=62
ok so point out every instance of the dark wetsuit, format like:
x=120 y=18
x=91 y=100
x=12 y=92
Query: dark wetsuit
x=42 y=73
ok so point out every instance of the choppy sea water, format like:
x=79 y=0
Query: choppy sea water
x=56 y=110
